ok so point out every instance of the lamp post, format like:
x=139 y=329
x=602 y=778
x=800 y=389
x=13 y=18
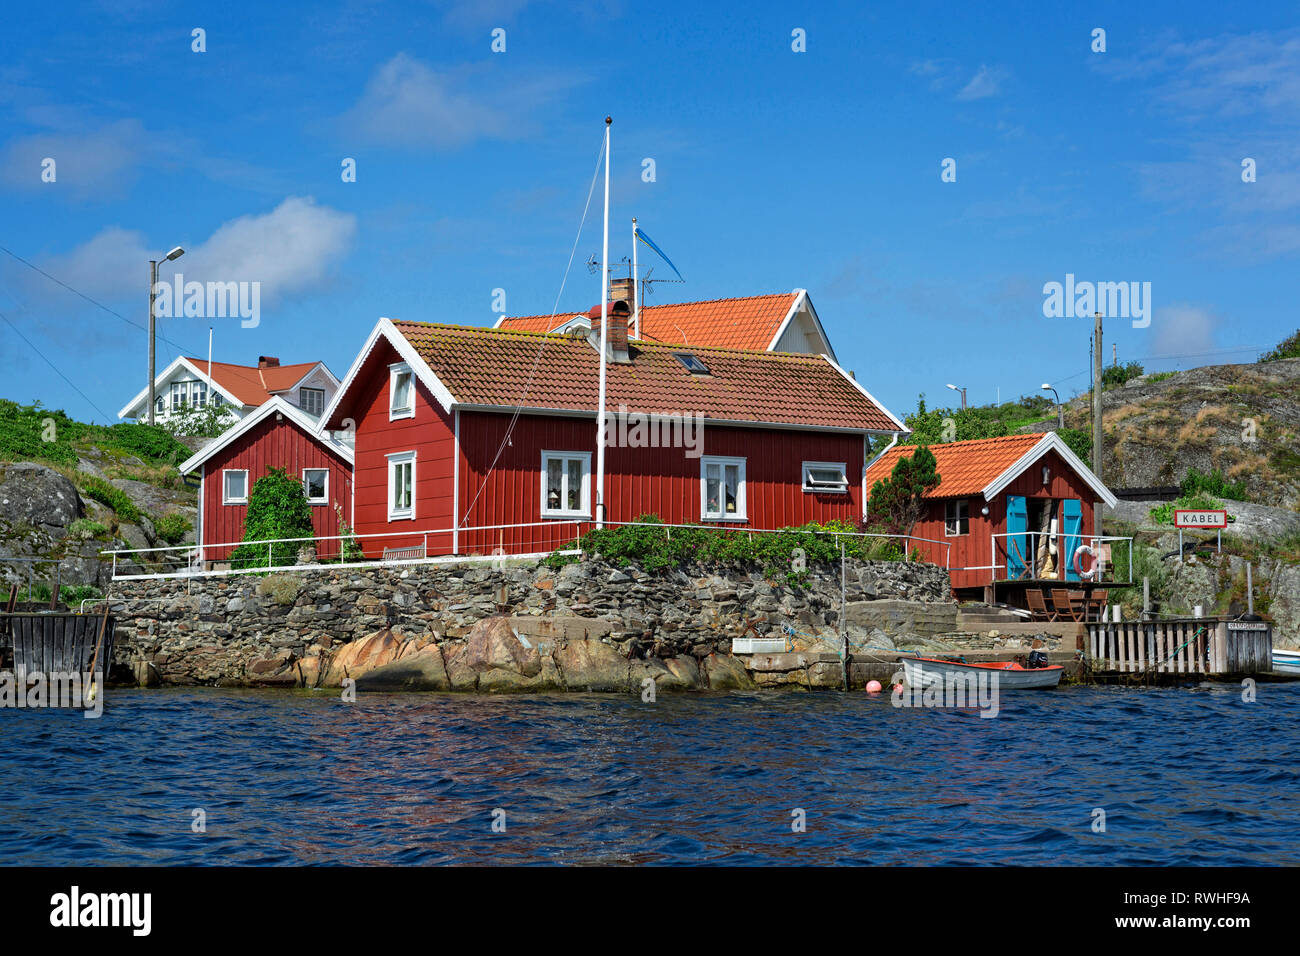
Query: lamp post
x=963 y=395
x=153 y=282
x=1060 y=410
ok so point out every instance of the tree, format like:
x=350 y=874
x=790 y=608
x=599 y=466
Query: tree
x=896 y=502
x=1289 y=347
x=277 y=508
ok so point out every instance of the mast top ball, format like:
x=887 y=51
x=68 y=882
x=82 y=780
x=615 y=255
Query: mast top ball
x=608 y=120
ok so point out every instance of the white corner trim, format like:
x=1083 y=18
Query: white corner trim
x=903 y=429
x=1050 y=442
x=259 y=414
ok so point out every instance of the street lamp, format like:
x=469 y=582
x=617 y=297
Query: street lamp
x=176 y=253
x=1060 y=411
x=963 y=395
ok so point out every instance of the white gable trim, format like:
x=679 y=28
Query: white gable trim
x=310 y=373
x=388 y=331
x=903 y=429
x=802 y=299
x=1050 y=442
x=142 y=399
x=276 y=404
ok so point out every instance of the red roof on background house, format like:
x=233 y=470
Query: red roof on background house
x=506 y=369
x=744 y=323
x=966 y=467
x=253 y=385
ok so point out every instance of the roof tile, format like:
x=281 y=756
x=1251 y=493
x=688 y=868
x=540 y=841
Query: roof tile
x=966 y=467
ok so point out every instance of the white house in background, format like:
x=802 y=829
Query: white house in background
x=240 y=388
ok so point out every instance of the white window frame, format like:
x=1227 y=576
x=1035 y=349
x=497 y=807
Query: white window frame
x=325 y=499
x=958 y=519
x=584 y=498
x=400 y=368
x=838 y=466
x=394 y=460
x=314 y=391
x=742 y=503
x=225 y=486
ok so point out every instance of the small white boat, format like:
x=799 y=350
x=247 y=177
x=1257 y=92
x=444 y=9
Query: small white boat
x=924 y=671
x=1286 y=660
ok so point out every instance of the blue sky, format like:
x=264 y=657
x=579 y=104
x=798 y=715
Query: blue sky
x=775 y=169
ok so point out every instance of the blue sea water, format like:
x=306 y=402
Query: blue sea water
x=1185 y=776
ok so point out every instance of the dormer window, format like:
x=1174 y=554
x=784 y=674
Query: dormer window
x=401 y=391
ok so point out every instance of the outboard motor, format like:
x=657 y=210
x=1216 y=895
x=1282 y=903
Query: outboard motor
x=1037 y=659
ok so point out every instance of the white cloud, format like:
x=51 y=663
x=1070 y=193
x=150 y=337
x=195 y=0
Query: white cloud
x=986 y=82
x=1181 y=329
x=290 y=249
x=100 y=162
x=406 y=102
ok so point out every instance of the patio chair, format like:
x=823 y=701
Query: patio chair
x=1065 y=607
x=1096 y=606
x=1038 y=605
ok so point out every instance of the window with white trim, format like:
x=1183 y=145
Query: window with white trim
x=311 y=400
x=234 y=486
x=190 y=392
x=825 y=477
x=401 y=391
x=722 y=489
x=956 y=518
x=316 y=485
x=401 y=486
x=566 y=484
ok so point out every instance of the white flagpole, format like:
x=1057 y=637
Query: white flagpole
x=604 y=344
x=636 y=299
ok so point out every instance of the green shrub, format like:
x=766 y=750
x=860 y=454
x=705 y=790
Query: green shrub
x=86 y=528
x=654 y=547
x=1212 y=484
x=149 y=442
x=277 y=508
x=1289 y=347
x=172 y=527
x=69 y=594
x=896 y=502
x=1114 y=375
x=1079 y=441
x=1161 y=376
x=106 y=494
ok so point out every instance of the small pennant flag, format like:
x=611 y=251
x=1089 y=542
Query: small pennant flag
x=640 y=234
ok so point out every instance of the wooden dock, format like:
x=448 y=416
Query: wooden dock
x=60 y=645
x=1181 y=647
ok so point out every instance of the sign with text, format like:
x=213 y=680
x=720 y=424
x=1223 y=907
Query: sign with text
x=1200 y=519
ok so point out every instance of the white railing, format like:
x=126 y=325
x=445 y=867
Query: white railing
x=336 y=551
x=1011 y=554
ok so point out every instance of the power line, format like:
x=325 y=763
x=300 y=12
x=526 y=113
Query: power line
x=94 y=302
x=31 y=345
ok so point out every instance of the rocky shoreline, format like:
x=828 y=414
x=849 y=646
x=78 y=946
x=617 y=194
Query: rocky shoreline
x=589 y=626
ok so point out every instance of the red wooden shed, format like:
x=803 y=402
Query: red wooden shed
x=1009 y=511
x=276 y=435
x=472 y=439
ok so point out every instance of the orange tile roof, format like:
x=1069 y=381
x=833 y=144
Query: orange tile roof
x=745 y=323
x=965 y=467
x=493 y=367
x=250 y=384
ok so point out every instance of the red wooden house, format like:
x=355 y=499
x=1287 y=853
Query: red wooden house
x=471 y=439
x=275 y=435
x=1008 y=512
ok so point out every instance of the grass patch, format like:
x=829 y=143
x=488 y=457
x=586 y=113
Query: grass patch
x=106 y=494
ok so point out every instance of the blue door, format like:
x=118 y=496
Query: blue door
x=1017 y=539
x=1071 y=530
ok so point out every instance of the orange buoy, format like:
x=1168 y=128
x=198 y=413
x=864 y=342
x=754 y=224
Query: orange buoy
x=873 y=687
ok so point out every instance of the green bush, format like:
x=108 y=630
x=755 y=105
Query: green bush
x=277 y=508
x=1289 y=347
x=1160 y=377
x=896 y=502
x=1212 y=484
x=654 y=547
x=86 y=528
x=1079 y=441
x=106 y=494
x=1114 y=375
x=149 y=442
x=172 y=527
x=69 y=594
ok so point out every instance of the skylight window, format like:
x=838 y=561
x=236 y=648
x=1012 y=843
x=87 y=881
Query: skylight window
x=692 y=363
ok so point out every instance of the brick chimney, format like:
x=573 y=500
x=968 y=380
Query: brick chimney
x=619 y=312
x=621 y=290
x=268 y=361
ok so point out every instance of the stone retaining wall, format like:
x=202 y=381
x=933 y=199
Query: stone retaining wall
x=586 y=626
